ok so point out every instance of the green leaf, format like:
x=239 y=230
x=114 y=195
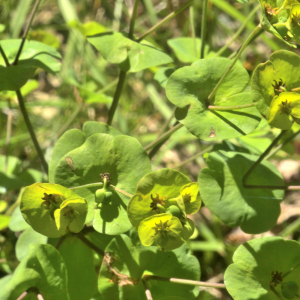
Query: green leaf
x=255 y=265
x=73 y=139
x=17 y=222
x=189 y=87
x=34 y=55
x=123 y=158
x=131 y=56
x=79 y=261
x=44 y=37
x=162 y=75
x=27 y=238
x=187 y=49
x=39 y=203
x=222 y=191
x=43 y=268
x=132 y=260
x=283 y=67
x=164 y=184
x=89 y=28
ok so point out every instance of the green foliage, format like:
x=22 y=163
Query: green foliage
x=53 y=210
x=34 y=55
x=280 y=73
x=93 y=154
x=189 y=87
x=255 y=210
x=131 y=56
x=131 y=260
x=43 y=268
x=261 y=266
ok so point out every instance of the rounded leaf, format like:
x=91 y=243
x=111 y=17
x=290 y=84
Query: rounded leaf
x=260 y=266
x=222 y=190
x=289 y=289
x=123 y=158
x=189 y=87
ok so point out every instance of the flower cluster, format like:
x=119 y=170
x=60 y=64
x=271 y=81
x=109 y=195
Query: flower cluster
x=160 y=206
x=53 y=210
x=282 y=18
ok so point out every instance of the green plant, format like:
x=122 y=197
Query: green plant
x=106 y=226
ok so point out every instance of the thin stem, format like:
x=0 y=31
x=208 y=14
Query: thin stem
x=185 y=281
x=60 y=241
x=4 y=56
x=31 y=131
x=117 y=95
x=133 y=18
x=193 y=157
x=87 y=186
x=291 y=270
x=22 y=296
x=90 y=244
x=211 y=107
x=257 y=30
x=165 y=126
x=147 y=291
x=192 y=22
x=163 y=137
x=35 y=7
x=263 y=155
x=281 y=145
x=276 y=293
x=163 y=21
x=238 y=33
x=203 y=27
x=8 y=134
x=121 y=191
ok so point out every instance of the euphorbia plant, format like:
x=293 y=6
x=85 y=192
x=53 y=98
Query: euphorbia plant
x=108 y=227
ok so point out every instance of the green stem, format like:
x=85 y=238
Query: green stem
x=4 y=56
x=133 y=18
x=192 y=22
x=122 y=75
x=263 y=155
x=163 y=137
x=31 y=131
x=276 y=293
x=238 y=33
x=121 y=191
x=117 y=95
x=193 y=157
x=8 y=134
x=257 y=30
x=185 y=281
x=211 y=107
x=163 y=21
x=87 y=186
x=35 y=7
x=203 y=27
x=281 y=145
